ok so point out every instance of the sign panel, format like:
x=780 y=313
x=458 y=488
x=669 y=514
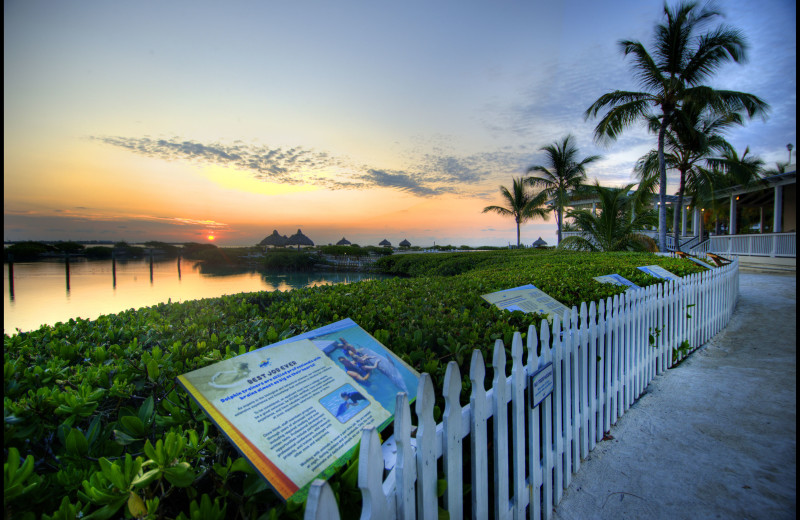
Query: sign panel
x=526 y=298
x=616 y=280
x=296 y=409
x=541 y=384
x=699 y=262
x=659 y=272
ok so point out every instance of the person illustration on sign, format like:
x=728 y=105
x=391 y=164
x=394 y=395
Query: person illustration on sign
x=350 y=399
x=356 y=370
x=367 y=357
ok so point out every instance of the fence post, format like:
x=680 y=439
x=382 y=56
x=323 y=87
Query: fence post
x=547 y=429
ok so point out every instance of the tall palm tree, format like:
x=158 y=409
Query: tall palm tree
x=696 y=134
x=520 y=203
x=561 y=176
x=682 y=60
x=622 y=214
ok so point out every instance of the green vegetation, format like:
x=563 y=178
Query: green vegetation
x=621 y=214
x=291 y=261
x=95 y=424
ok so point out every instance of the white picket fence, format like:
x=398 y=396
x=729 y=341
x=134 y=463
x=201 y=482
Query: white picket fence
x=603 y=358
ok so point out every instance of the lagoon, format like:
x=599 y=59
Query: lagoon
x=37 y=293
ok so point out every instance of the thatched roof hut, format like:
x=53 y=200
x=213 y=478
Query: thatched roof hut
x=299 y=239
x=385 y=243
x=343 y=242
x=539 y=242
x=274 y=240
x=405 y=243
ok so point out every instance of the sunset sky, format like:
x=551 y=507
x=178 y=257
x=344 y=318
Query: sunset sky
x=177 y=120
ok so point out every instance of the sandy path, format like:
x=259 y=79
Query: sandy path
x=714 y=437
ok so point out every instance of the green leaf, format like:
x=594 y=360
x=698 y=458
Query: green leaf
x=77 y=444
x=146 y=410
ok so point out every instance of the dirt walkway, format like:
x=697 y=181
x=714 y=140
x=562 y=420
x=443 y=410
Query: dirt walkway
x=714 y=437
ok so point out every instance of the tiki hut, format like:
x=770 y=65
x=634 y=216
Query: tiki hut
x=385 y=243
x=539 y=243
x=405 y=243
x=299 y=239
x=274 y=240
x=343 y=242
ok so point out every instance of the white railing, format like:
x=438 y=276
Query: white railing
x=765 y=244
x=603 y=359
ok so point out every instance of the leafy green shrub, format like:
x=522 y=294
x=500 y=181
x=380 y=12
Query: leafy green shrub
x=290 y=261
x=26 y=251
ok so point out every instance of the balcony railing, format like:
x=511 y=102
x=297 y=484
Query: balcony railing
x=763 y=244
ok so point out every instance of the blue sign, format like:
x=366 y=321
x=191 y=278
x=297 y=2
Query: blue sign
x=541 y=384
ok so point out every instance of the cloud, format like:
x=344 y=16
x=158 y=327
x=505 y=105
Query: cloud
x=427 y=174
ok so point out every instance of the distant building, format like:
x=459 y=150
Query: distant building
x=539 y=243
x=405 y=243
x=385 y=243
x=343 y=242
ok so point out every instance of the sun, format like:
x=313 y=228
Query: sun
x=211 y=238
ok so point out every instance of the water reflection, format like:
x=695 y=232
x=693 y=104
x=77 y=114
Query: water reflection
x=35 y=291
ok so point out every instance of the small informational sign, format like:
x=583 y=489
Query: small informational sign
x=659 y=272
x=541 y=384
x=526 y=298
x=699 y=262
x=296 y=409
x=617 y=280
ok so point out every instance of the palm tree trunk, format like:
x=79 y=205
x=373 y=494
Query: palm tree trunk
x=662 y=188
x=678 y=212
x=559 y=217
x=517 y=219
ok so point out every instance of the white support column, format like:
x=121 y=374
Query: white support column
x=683 y=220
x=732 y=216
x=594 y=209
x=696 y=222
x=777 y=219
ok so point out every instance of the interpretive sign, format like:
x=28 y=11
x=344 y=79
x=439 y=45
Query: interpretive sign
x=540 y=385
x=699 y=262
x=296 y=409
x=659 y=272
x=526 y=298
x=616 y=280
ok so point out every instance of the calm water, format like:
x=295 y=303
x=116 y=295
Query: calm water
x=48 y=292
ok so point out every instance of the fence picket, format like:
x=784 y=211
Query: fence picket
x=547 y=429
x=452 y=439
x=500 y=430
x=321 y=503
x=405 y=467
x=478 y=438
x=592 y=369
x=560 y=467
x=518 y=426
x=370 y=477
x=427 y=505
x=534 y=460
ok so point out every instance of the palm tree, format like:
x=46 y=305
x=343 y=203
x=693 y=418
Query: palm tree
x=520 y=204
x=695 y=135
x=725 y=171
x=682 y=60
x=622 y=214
x=563 y=175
